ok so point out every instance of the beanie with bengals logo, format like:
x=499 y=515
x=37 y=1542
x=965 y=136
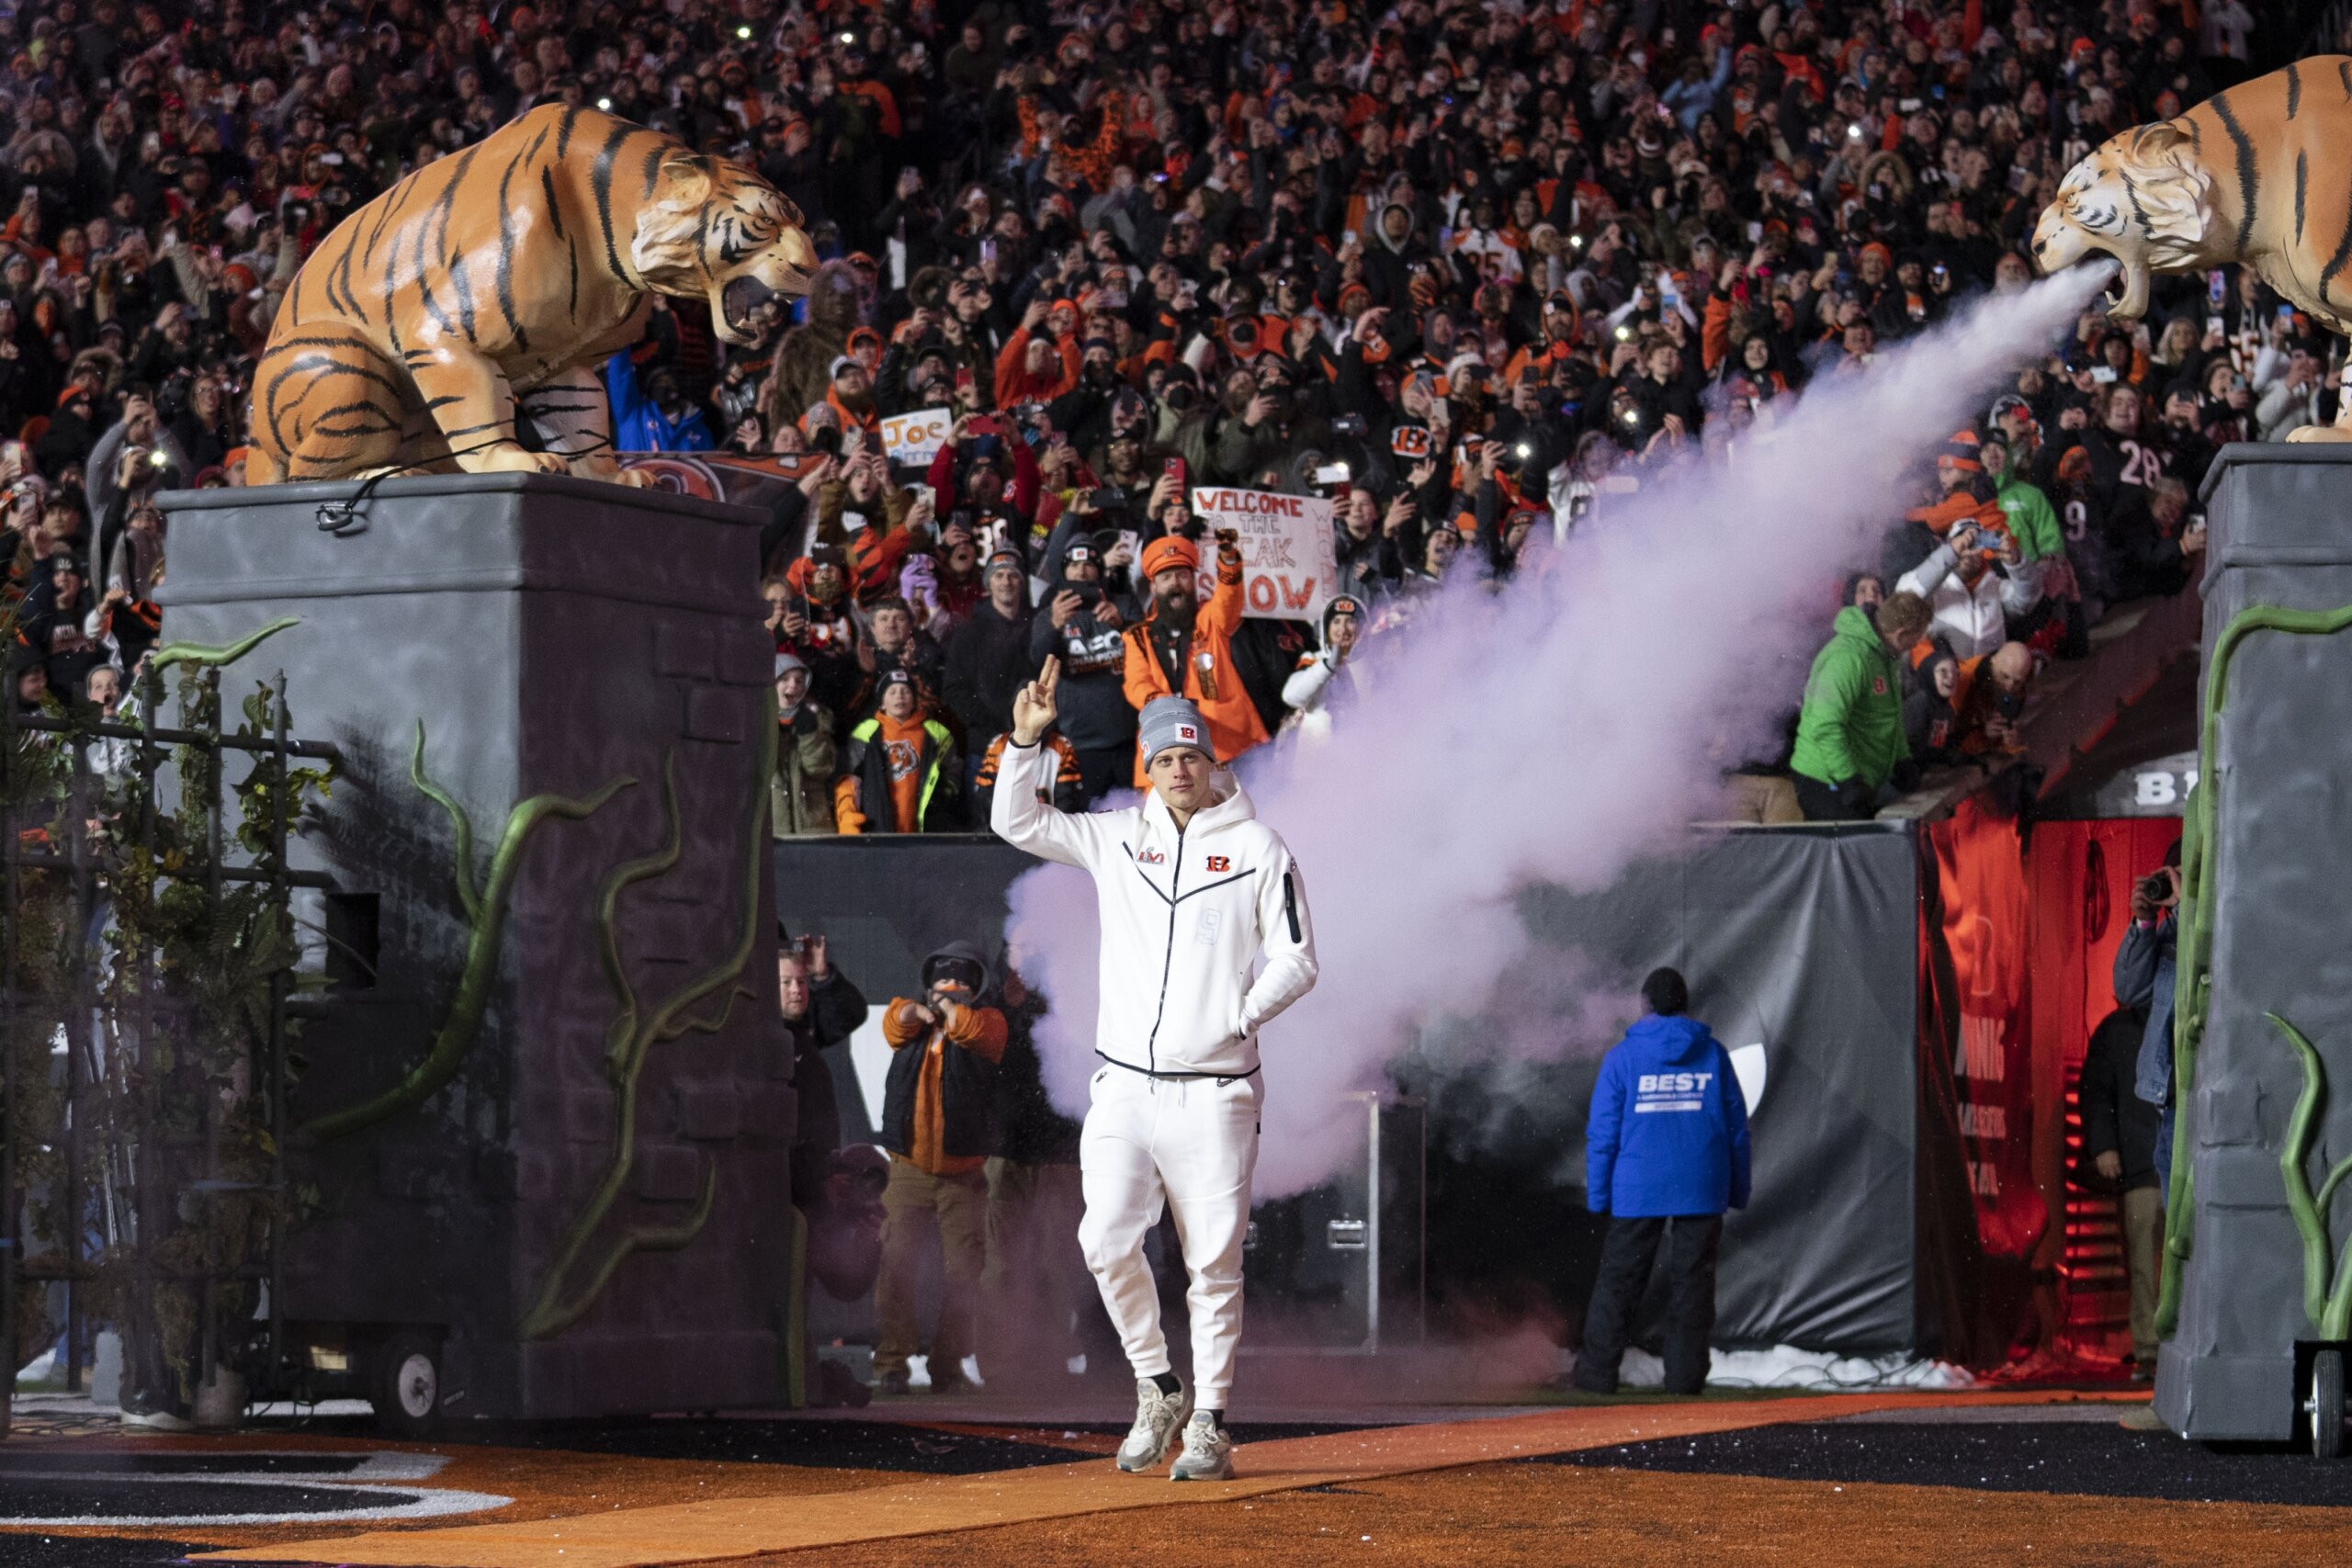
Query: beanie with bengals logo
x=1168 y=722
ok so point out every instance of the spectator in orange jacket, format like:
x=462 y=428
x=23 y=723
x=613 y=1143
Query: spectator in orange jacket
x=899 y=773
x=1034 y=364
x=939 y=1123
x=1181 y=647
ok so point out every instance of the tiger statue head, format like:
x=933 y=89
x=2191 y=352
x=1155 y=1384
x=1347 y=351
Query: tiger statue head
x=715 y=229
x=2143 y=197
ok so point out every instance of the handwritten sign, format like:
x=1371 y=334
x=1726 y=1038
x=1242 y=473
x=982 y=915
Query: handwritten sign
x=1289 y=560
x=915 y=438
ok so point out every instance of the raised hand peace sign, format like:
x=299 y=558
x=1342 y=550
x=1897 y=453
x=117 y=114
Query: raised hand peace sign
x=1033 y=705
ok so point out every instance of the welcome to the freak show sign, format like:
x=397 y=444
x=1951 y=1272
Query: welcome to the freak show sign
x=1289 y=563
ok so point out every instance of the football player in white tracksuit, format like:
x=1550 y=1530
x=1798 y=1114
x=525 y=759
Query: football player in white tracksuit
x=1191 y=887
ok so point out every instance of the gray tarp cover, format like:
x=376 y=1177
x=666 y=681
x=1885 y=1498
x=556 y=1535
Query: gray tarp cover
x=1802 y=941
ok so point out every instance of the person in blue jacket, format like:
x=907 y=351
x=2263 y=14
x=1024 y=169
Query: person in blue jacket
x=651 y=414
x=1666 y=1152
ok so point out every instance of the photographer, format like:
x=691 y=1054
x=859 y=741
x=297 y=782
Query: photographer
x=201 y=421
x=1081 y=625
x=136 y=456
x=1974 y=581
x=2143 y=978
x=838 y=1191
x=820 y=1009
x=939 y=1123
x=986 y=468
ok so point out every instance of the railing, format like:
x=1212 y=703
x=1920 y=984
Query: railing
x=128 y=1030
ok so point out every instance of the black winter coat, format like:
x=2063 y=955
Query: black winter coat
x=988 y=662
x=967 y=1101
x=2114 y=1117
x=836 y=1009
x=1030 y=1131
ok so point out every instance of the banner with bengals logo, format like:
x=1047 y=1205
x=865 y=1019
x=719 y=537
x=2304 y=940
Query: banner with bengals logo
x=1289 y=557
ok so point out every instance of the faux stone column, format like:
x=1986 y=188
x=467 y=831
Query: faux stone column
x=549 y=1109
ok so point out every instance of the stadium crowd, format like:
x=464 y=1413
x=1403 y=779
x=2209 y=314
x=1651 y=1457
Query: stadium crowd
x=1471 y=271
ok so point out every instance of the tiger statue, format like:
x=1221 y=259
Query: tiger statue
x=2259 y=175
x=495 y=282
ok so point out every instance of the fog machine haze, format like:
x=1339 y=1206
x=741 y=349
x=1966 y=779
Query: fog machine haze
x=1554 y=733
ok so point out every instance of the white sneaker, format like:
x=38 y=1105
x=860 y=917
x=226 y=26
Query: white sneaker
x=1208 y=1451
x=157 y=1421
x=1159 y=1417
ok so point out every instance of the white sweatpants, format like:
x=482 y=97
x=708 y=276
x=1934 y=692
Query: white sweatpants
x=1192 y=1144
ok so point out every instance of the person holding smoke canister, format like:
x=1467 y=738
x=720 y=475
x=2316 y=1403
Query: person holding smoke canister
x=1191 y=889
x=1666 y=1152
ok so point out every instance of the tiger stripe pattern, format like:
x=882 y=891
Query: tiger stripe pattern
x=2259 y=175
x=488 y=286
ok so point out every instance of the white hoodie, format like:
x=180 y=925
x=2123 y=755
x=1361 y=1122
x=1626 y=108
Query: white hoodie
x=1184 y=913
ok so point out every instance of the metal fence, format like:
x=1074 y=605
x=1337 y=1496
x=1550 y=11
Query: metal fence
x=116 y=840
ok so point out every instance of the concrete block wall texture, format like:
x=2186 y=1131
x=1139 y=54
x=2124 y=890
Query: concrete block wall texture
x=2280 y=895
x=553 y=637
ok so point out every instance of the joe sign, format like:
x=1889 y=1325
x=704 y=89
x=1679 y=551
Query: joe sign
x=1288 y=563
x=915 y=438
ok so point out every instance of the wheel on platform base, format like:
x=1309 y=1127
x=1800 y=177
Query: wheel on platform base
x=405 y=1387
x=2325 y=1405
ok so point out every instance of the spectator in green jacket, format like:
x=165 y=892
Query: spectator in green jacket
x=1850 y=732
x=2034 y=522
x=800 y=795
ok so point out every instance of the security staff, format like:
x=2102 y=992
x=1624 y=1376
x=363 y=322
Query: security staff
x=1191 y=889
x=1666 y=1151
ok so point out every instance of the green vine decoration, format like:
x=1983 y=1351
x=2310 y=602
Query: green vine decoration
x=2327 y=1285
x=486 y=919
x=198 y=654
x=630 y=1039
x=2192 y=984
x=461 y=826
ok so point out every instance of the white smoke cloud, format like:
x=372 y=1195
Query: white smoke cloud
x=1552 y=733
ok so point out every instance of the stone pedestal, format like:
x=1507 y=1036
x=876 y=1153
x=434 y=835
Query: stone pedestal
x=2279 y=897
x=540 y=1129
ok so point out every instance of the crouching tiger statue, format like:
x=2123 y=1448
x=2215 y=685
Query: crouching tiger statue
x=492 y=284
x=2260 y=175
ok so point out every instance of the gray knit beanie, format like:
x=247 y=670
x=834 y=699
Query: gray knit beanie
x=1173 y=721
